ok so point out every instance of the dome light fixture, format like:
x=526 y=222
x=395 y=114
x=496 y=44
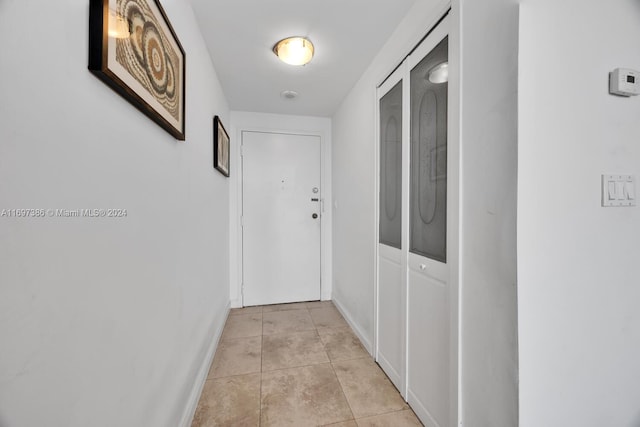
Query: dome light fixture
x=294 y=50
x=439 y=73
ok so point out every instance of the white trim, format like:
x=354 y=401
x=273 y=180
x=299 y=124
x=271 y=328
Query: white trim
x=406 y=217
x=421 y=411
x=201 y=377
x=399 y=76
x=376 y=231
x=368 y=345
x=394 y=376
x=454 y=203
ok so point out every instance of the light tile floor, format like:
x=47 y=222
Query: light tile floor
x=296 y=365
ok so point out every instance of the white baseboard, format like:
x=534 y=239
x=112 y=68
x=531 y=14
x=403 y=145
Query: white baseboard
x=422 y=413
x=389 y=370
x=201 y=378
x=366 y=342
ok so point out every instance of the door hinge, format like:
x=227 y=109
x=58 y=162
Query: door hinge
x=242 y=151
x=242 y=221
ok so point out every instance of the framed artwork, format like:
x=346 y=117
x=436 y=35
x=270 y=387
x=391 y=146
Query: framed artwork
x=134 y=50
x=220 y=147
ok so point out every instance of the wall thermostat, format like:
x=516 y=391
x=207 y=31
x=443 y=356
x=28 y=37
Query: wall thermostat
x=624 y=82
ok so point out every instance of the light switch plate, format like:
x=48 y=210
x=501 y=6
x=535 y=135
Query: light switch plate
x=618 y=190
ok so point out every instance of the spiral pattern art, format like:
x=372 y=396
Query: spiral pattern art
x=148 y=55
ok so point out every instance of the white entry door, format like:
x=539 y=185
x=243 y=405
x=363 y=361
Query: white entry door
x=281 y=218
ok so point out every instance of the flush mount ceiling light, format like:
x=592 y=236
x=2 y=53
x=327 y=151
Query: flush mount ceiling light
x=439 y=73
x=294 y=50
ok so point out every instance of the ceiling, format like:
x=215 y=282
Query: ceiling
x=347 y=35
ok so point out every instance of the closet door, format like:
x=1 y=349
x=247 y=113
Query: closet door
x=390 y=353
x=429 y=358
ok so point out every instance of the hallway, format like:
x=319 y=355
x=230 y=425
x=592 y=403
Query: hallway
x=300 y=365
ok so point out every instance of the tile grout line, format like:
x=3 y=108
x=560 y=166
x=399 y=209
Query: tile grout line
x=353 y=417
x=391 y=412
x=341 y=387
x=313 y=364
x=346 y=399
x=408 y=408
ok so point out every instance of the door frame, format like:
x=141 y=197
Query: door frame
x=455 y=163
x=288 y=125
x=310 y=148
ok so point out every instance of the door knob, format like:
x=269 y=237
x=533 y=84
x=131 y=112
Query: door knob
x=314 y=216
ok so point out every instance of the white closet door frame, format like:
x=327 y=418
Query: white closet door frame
x=436 y=269
x=388 y=254
x=443 y=27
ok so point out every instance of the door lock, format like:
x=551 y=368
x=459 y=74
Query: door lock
x=314 y=216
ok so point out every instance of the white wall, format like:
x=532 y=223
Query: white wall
x=578 y=269
x=488 y=302
x=321 y=126
x=104 y=322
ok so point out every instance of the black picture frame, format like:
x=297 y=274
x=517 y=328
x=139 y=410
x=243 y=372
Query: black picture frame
x=135 y=51
x=221 y=147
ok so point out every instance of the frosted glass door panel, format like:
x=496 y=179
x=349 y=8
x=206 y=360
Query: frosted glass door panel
x=391 y=167
x=428 y=169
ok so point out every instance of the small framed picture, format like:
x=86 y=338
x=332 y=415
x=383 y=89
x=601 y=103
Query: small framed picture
x=220 y=147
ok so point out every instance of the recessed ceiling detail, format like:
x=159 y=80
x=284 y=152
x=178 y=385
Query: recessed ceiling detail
x=289 y=94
